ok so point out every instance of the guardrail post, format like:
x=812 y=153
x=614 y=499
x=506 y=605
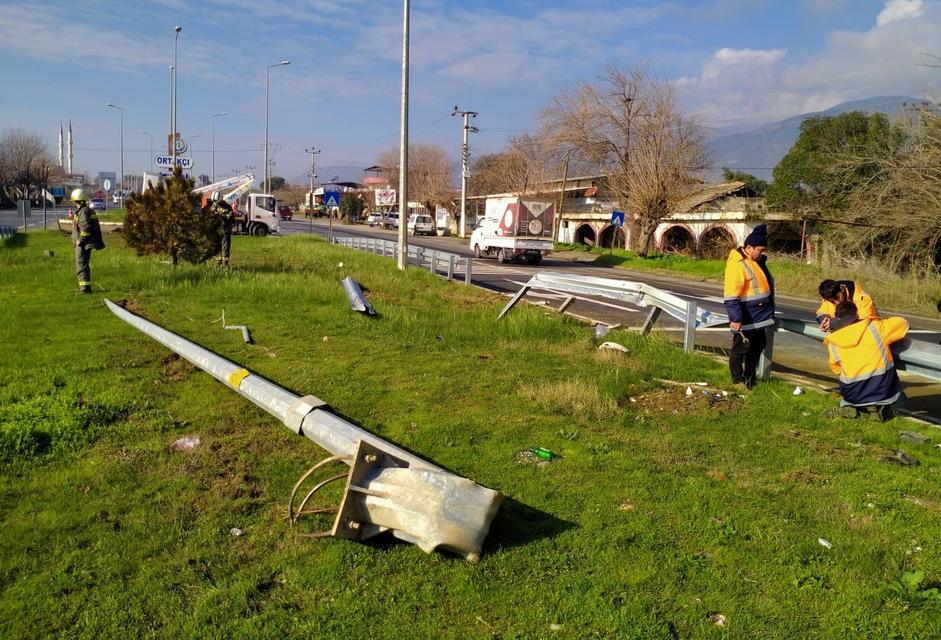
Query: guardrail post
x=689 y=330
x=567 y=303
x=434 y=262
x=651 y=320
x=468 y=269
x=766 y=360
x=450 y=267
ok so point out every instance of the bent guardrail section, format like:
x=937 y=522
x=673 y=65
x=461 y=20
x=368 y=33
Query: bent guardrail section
x=387 y=488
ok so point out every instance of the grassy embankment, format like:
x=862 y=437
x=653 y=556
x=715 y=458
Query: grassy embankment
x=662 y=514
x=891 y=291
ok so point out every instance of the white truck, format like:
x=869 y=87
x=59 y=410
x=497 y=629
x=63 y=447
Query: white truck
x=259 y=217
x=515 y=228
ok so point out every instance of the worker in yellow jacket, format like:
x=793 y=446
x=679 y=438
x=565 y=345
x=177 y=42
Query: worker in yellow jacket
x=749 y=300
x=834 y=292
x=859 y=353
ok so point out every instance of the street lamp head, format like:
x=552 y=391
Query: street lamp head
x=221 y=113
x=285 y=62
x=178 y=28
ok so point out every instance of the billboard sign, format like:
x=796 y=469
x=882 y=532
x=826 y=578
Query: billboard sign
x=385 y=197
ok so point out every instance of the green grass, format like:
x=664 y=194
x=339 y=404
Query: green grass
x=659 y=513
x=891 y=291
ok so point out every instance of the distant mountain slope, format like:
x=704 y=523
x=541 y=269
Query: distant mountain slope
x=758 y=151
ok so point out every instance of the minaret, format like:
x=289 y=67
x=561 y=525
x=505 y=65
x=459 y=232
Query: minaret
x=70 y=147
x=60 y=143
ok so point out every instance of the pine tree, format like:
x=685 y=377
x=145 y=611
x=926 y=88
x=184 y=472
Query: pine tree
x=168 y=220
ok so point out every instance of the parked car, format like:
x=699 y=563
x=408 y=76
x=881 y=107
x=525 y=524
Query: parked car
x=97 y=204
x=391 y=221
x=285 y=212
x=374 y=218
x=419 y=224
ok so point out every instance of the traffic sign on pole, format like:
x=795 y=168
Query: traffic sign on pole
x=331 y=198
x=617 y=218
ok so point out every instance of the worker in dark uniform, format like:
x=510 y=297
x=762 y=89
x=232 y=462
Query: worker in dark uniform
x=86 y=235
x=224 y=210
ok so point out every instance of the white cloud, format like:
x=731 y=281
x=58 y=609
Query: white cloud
x=896 y=10
x=750 y=56
x=742 y=85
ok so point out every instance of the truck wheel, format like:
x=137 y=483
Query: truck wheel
x=535 y=259
x=501 y=256
x=477 y=252
x=260 y=231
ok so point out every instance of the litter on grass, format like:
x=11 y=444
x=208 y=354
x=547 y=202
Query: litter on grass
x=823 y=542
x=798 y=391
x=613 y=346
x=185 y=444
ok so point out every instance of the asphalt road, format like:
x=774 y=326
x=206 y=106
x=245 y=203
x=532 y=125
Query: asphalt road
x=9 y=218
x=794 y=354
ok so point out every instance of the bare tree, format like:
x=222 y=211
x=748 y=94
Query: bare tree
x=629 y=126
x=525 y=166
x=26 y=164
x=429 y=173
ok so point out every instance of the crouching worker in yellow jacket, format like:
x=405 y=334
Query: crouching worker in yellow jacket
x=859 y=353
x=833 y=292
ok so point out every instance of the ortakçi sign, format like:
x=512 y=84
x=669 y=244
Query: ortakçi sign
x=167 y=162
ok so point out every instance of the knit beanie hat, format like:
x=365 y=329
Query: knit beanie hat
x=758 y=237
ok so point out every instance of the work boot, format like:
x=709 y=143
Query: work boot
x=885 y=412
x=85 y=289
x=849 y=412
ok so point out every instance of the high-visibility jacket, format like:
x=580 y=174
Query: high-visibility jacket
x=749 y=291
x=860 y=354
x=86 y=231
x=865 y=307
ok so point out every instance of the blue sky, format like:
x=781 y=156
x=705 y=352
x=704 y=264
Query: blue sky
x=734 y=63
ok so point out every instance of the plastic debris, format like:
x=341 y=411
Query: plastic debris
x=555 y=627
x=601 y=330
x=913 y=437
x=235 y=531
x=724 y=393
x=823 y=542
x=340 y=266
x=185 y=444
x=798 y=391
x=900 y=458
x=718 y=619
x=614 y=346
x=689 y=391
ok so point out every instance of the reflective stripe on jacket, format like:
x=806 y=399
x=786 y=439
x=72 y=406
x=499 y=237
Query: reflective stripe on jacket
x=865 y=307
x=749 y=291
x=860 y=354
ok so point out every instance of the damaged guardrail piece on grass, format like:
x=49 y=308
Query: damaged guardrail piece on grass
x=387 y=488
x=636 y=294
x=358 y=301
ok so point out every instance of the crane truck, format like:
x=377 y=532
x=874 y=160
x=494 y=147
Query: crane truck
x=259 y=217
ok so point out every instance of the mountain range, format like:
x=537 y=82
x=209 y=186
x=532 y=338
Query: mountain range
x=758 y=150
x=755 y=150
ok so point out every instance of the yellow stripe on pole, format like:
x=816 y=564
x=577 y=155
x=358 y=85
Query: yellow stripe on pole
x=235 y=378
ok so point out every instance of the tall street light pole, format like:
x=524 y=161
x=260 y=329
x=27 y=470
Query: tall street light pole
x=121 y=109
x=214 y=116
x=402 y=259
x=465 y=173
x=176 y=41
x=310 y=204
x=150 y=165
x=170 y=134
x=267 y=82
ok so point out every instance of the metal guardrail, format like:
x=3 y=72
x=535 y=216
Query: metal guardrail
x=387 y=488
x=914 y=356
x=7 y=232
x=635 y=294
x=430 y=259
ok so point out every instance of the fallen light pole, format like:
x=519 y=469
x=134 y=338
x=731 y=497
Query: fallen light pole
x=387 y=488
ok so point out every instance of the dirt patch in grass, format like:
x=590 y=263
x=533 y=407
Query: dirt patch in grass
x=675 y=401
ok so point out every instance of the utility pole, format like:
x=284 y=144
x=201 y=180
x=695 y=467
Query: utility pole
x=214 y=116
x=557 y=223
x=402 y=259
x=313 y=174
x=465 y=172
x=174 y=68
x=268 y=82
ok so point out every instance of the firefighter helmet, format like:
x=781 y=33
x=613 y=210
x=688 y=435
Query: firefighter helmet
x=79 y=195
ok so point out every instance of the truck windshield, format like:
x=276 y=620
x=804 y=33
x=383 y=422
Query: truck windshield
x=266 y=203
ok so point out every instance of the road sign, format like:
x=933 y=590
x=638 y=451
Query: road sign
x=331 y=198
x=107 y=184
x=617 y=218
x=167 y=162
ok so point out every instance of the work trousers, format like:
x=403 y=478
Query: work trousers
x=225 y=246
x=83 y=265
x=747 y=346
